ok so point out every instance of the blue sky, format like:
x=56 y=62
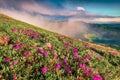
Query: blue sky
x=105 y=7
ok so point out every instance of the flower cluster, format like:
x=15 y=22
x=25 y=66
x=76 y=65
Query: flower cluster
x=28 y=32
x=16 y=46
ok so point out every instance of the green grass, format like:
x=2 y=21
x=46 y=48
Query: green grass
x=23 y=55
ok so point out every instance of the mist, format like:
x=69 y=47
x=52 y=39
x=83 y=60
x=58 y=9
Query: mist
x=67 y=27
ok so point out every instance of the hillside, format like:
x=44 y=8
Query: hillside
x=31 y=53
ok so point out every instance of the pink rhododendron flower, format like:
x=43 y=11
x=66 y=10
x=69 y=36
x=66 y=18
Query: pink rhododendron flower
x=76 y=79
x=55 y=56
x=75 y=54
x=78 y=59
x=114 y=53
x=67 y=50
x=26 y=52
x=90 y=70
x=88 y=57
x=45 y=53
x=75 y=50
x=16 y=46
x=15 y=62
x=88 y=47
x=97 y=77
x=33 y=45
x=44 y=70
x=7 y=38
x=52 y=50
x=48 y=45
x=82 y=66
x=64 y=60
x=41 y=50
x=67 y=64
x=99 y=58
x=26 y=33
x=24 y=45
x=7 y=60
x=85 y=60
x=58 y=66
x=65 y=44
x=0 y=75
x=36 y=36
x=86 y=72
x=14 y=77
x=68 y=69
x=31 y=33
x=14 y=29
x=11 y=66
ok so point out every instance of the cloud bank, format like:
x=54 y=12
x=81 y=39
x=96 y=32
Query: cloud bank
x=34 y=8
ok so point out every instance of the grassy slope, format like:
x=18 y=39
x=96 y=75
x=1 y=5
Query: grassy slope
x=103 y=60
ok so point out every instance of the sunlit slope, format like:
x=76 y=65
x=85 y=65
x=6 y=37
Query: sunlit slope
x=31 y=53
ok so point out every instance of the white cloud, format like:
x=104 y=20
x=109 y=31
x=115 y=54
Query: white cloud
x=116 y=19
x=43 y=9
x=80 y=8
x=97 y=20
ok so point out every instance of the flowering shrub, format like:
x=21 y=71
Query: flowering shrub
x=44 y=70
x=33 y=53
x=58 y=66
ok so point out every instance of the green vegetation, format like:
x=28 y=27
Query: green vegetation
x=31 y=53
